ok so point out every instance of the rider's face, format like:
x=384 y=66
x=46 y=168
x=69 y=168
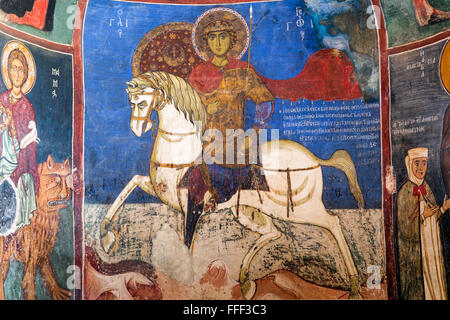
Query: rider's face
x=219 y=42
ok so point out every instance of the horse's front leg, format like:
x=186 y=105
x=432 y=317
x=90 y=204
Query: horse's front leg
x=248 y=287
x=107 y=237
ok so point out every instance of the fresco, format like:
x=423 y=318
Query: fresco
x=36 y=223
x=304 y=213
x=417 y=132
x=412 y=20
x=48 y=19
x=224 y=150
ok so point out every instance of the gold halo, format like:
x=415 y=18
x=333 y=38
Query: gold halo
x=238 y=24
x=445 y=67
x=29 y=83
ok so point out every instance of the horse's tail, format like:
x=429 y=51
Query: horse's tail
x=342 y=160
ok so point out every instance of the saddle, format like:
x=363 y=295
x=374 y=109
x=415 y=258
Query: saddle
x=198 y=178
x=254 y=178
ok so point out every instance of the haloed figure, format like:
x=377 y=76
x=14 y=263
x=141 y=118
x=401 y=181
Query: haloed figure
x=18 y=134
x=224 y=83
x=421 y=263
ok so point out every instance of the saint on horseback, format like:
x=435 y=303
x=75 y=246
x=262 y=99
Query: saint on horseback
x=224 y=84
x=193 y=142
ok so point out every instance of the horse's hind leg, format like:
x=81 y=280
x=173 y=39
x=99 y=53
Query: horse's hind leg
x=331 y=223
x=107 y=237
x=336 y=230
x=256 y=221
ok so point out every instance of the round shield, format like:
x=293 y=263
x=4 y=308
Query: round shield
x=166 y=48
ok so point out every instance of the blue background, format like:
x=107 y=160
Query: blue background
x=53 y=116
x=113 y=154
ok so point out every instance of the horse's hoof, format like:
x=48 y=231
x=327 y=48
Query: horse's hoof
x=107 y=236
x=248 y=289
x=108 y=241
x=354 y=291
x=355 y=296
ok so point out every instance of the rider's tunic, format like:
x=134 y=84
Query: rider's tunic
x=231 y=86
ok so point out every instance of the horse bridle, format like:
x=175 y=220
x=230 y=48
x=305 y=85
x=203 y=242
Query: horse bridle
x=158 y=108
x=152 y=106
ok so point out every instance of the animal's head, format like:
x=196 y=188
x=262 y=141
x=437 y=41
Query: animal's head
x=54 y=191
x=146 y=92
x=154 y=91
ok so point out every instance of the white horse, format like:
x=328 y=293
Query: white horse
x=293 y=173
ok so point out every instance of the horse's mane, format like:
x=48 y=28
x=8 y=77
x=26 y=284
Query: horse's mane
x=185 y=99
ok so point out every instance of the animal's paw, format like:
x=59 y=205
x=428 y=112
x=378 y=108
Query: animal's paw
x=59 y=293
x=29 y=292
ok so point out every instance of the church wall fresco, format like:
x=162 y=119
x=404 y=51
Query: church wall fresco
x=37 y=221
x=229 y=150
x=414 y=126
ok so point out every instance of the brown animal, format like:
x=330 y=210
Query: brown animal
x=33 y=243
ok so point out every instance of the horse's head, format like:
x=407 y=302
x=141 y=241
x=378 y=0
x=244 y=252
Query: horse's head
x=144 y=96
x=154 y=91
x=140 y=121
